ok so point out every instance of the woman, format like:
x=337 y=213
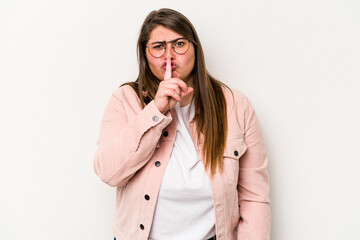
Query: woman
x=184 y=151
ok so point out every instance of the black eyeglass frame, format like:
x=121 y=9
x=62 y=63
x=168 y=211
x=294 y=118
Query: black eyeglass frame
x=172 y=45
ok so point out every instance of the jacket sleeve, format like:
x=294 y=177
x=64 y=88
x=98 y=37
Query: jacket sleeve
x=125 y=145
x=253 y=181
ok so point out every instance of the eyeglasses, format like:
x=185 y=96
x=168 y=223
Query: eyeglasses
x=158 y=49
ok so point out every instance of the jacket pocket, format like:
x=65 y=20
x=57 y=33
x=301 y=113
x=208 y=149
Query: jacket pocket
x=234 y=149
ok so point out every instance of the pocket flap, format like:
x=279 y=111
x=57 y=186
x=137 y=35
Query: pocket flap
x=235 y=148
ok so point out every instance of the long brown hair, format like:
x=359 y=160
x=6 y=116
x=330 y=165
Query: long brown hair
x=210 y=105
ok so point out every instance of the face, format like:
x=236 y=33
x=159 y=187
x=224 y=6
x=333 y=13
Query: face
x=182 y=65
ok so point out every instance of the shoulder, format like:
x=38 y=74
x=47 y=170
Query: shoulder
x=235 y=99
x=126 y=93
x=240 y=112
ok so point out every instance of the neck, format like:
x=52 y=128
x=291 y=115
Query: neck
x=187 y=99
x=189 y=82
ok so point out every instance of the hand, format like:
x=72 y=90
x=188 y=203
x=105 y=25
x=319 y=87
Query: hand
x=170 y=91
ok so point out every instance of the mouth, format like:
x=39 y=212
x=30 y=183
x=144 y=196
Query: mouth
x=173 y=66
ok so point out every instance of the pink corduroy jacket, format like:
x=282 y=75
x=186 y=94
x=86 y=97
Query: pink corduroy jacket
x=134 y=148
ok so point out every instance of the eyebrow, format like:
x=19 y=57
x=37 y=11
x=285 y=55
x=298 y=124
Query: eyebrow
x=168 y=41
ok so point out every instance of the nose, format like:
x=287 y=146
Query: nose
x=169 y=51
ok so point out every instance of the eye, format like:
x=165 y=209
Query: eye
x=180 y=43
x=157 y=46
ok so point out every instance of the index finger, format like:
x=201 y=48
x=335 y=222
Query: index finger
x=168 y=69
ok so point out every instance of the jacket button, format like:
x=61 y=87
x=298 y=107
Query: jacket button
x=142 y=227
x=147 y=197
x=155 y=118
x=236 y=153
x=166 y=134
x=157 y=163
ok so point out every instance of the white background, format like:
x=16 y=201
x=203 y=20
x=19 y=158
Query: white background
x=298 y=62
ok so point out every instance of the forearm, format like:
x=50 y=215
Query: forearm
x=255 y=223
x=126 y=145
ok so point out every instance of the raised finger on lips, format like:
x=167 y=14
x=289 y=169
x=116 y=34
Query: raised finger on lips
x=168 y=76
x=168 y=73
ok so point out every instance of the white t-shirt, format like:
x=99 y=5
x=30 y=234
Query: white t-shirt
x=185 y=207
